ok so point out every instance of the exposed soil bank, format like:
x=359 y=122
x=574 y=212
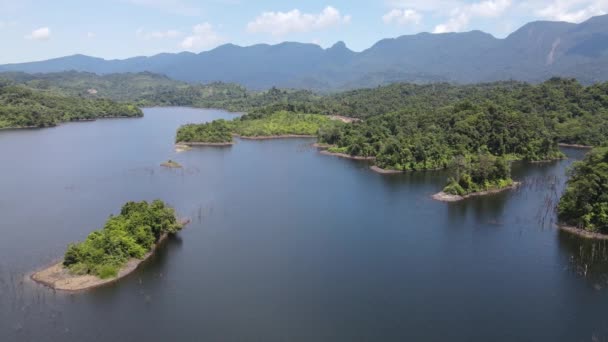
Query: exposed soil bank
x=445 y=197
x=180 y=145
x=321 y=146
x=344 y=155
x=182 y=148
x=64 y=122
x=583 y=233
x=58 y=277
x=575 y=146
x=282 y=136
x=171 y=164
x=384 y=171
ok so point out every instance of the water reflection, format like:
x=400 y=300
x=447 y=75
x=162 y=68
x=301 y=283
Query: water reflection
x=588 y=258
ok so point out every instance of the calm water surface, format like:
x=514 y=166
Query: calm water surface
x=287 y=245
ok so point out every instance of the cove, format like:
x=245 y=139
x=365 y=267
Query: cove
x=286 y=244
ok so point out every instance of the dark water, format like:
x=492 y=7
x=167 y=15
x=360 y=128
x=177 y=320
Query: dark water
x=287 y=245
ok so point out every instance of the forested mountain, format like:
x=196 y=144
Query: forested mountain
x=534 y=53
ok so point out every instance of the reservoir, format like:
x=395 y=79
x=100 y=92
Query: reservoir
x=287 y=244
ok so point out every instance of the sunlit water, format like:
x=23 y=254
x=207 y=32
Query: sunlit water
x=287 y=245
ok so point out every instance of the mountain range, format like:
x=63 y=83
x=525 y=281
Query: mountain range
x=535 y=52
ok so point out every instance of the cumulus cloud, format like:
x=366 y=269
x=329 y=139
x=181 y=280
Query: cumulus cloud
x=402 y=17
x=294 y=21
x=460 y=17
x=203 y=36
x=43 y=33
x=574 y=11
x=151 y=35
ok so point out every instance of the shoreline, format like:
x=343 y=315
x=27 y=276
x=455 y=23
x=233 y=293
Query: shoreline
x=70 y=121
x=269 y=137
x=171 y=165
x=575 y=146
x=346 y=156
x=382 y=171
x=195 y=143
x=57 y=277
x=323 y=149
x=582 y=233
x=444 y=197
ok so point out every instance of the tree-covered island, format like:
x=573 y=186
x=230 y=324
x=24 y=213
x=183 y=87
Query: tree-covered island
x=275 y=125
x=477 y=175
x=114 y=251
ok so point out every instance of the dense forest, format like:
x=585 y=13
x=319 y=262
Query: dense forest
x=479 y=173
x=131 y=234
x=517 y=122
x=585 y=202
x=24 y=107
x=275 y=124
x=147 y=90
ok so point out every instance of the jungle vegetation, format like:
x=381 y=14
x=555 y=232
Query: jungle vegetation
x=131 y=234
x=275 y=124
x=479 y=173
x=585 y=202
x=24 y=107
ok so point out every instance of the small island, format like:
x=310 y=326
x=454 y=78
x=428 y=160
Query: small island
x=583 y=209
x=255 y=126
x=481 y=175
x=171 y=164
x=116 y=250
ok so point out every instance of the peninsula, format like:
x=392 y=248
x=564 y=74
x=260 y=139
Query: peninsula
x=583 y=209
x=116 y=250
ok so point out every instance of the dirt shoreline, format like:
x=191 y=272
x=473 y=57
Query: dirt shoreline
x=171 y=164
x=59 y=278
x=575 y=146
x=380 y=170
x=344 y=155
x=191 y=144
x=268 y=137
x=445 y=197
x=64 y=122
x=582 y=233
x=323 y=149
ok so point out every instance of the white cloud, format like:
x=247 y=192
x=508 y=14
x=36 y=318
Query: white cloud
x=43 y=33
x=461 y=16
x=171 y=6
x=402 y=17
x=203 y=37
x=282 y=23
x=152 y=35
x=456 y=23
x=574 y=11
x=91 y=35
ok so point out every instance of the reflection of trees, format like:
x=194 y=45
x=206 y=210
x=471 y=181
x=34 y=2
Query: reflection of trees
x=588 y=258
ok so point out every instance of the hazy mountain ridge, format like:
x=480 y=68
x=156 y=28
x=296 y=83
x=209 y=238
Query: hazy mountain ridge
x=533 y=53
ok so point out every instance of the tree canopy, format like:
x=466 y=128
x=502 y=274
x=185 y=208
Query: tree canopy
x=131 y=234
x=24 y=107
x=585 y=201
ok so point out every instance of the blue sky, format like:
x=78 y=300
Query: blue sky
x=34 y=30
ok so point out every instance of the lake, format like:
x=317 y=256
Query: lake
x=287 y=244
